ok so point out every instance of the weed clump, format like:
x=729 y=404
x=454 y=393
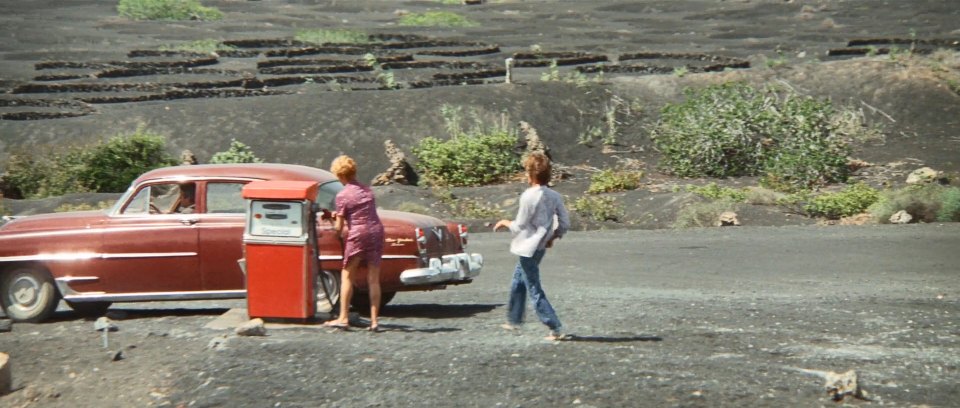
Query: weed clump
x=852 y=200
x=199 y=46
x=702 y=214
x=237 y=153
x=602 y=208
x=610 y=180
x=926 y=203
x=436 y=19
x=714 y=192
x=321 y=37
x=167 y=10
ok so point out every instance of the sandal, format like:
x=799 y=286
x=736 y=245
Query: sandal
x=336 y=325
x=374 y=329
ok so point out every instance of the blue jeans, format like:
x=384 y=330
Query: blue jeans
x=526 y=279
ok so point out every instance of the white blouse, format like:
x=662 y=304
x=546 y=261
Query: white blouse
x=541 y=213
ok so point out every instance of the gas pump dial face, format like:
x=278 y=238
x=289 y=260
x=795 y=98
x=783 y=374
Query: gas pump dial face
x=276 y=219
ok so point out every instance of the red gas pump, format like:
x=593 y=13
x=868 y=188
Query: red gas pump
x=279 y=244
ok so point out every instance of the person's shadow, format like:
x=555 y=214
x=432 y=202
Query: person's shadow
x=436 y=311
x=611 y=339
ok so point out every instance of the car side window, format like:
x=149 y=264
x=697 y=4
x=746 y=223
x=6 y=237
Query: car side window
x=139 y=204
x=159 y=199
x=225 y=198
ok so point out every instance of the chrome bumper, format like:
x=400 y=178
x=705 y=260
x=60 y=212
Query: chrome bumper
x=449 y=268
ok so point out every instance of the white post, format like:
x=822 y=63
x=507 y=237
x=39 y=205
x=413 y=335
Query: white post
x=509 y=64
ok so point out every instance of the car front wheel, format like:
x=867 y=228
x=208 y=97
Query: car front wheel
x=28 y=294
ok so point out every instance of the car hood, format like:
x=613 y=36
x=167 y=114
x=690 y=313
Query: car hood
x=54 y=221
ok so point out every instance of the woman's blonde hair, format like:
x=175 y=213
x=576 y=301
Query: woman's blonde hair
x=344 y=167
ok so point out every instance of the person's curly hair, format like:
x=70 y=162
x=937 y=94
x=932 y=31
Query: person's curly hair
x=537 y=166
x=344 y=167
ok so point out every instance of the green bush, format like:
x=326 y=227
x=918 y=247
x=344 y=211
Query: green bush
x=467 y=160
x=167 y=10
x=926 y=203
x=106 y=167
x=599 y=208
x=67 y=207
x=478 y=155
x=30 y=175
x=852 y=200
x=949 y=205
x=110 y=167
x=734 y=129
x=237 y=153
x=715 y=192
x=436 y=19
x=610 y=180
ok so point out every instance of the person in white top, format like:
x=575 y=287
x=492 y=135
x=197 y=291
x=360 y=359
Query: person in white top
x=541 y=219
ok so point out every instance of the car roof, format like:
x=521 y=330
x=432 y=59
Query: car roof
x=261 y=171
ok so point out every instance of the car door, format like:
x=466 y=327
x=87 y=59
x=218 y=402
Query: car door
x=150 y=247
x=221 y=235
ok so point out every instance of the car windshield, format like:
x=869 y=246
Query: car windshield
x=327 y=193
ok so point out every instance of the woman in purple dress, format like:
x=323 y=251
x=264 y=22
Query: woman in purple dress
x=357 y=221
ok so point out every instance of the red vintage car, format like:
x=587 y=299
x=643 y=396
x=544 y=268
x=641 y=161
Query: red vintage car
x=177 y=234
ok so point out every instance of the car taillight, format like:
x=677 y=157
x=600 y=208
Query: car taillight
x=421 y=240
x=464 y=233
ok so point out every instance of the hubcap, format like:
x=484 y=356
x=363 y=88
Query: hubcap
x=25 y=291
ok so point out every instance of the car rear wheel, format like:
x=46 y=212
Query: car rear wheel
x=328 y=291
x=28 y=294
x=89 y=308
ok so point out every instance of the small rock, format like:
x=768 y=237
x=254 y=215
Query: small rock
x=728 y=219
x=841 y=385
x=116 y=355
x=901 y=217
x=254 y=327
x=6 y=325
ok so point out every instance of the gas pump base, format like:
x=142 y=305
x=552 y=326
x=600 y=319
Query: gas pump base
x=449 y=268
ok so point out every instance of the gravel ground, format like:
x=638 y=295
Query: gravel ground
x=720 y=317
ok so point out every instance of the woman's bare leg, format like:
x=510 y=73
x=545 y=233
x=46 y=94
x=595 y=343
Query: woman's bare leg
x=373 y=283
x=346 y=290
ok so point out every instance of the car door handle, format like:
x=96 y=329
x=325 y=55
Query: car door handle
x=189 y=221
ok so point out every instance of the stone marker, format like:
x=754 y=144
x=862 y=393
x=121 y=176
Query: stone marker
x=901 y=217
x=254 y=327
x=6 y=377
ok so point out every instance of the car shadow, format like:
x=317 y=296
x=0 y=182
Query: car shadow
x=612 y=339
x=131 y=314
x=436 y=311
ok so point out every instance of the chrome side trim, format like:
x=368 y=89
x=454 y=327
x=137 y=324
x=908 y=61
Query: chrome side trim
x=81 y=256
x=339 y=257
x=155 y=296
